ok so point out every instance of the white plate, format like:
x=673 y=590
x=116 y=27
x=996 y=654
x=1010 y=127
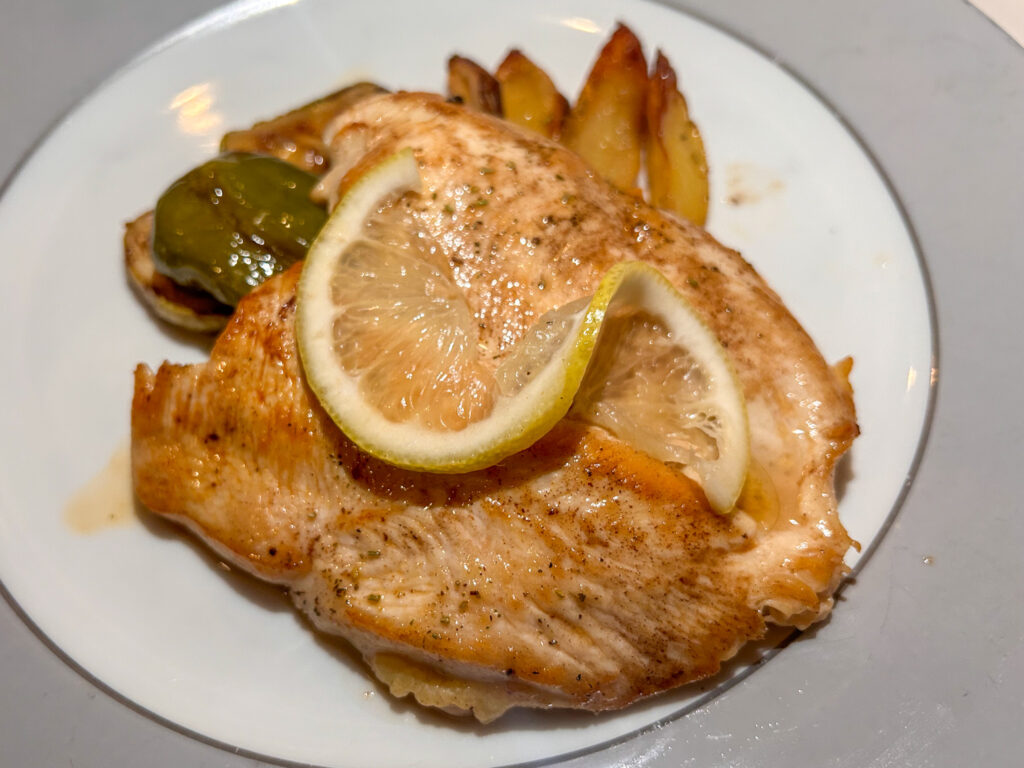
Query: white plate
x=148 y=613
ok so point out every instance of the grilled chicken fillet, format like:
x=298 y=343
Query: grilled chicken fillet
x=579 y=573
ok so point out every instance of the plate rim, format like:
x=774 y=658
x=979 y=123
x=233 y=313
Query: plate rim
x=236 y=11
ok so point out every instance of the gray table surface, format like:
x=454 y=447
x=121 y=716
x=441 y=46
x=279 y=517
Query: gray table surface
x=937 y=93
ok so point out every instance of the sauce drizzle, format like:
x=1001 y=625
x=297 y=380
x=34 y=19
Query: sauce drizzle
x=107 y=500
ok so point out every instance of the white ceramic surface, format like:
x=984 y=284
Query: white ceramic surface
x=151 y=615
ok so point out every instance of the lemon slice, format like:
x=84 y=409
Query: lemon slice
x=660 y=380
x=391 y=350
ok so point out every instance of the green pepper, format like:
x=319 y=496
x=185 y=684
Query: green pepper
x=234 y=221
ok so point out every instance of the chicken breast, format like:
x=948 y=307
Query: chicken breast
x=579 y=573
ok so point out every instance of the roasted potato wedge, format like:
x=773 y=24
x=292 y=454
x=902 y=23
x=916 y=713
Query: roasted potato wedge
x=528 y=97
x=297 y=136
x=606 y=126
x=677 y=168
x=473 y=85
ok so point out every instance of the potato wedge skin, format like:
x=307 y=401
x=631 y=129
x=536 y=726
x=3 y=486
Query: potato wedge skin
x=528 y=96
x=677 y=167
x=606 y=125
x=473 y=85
